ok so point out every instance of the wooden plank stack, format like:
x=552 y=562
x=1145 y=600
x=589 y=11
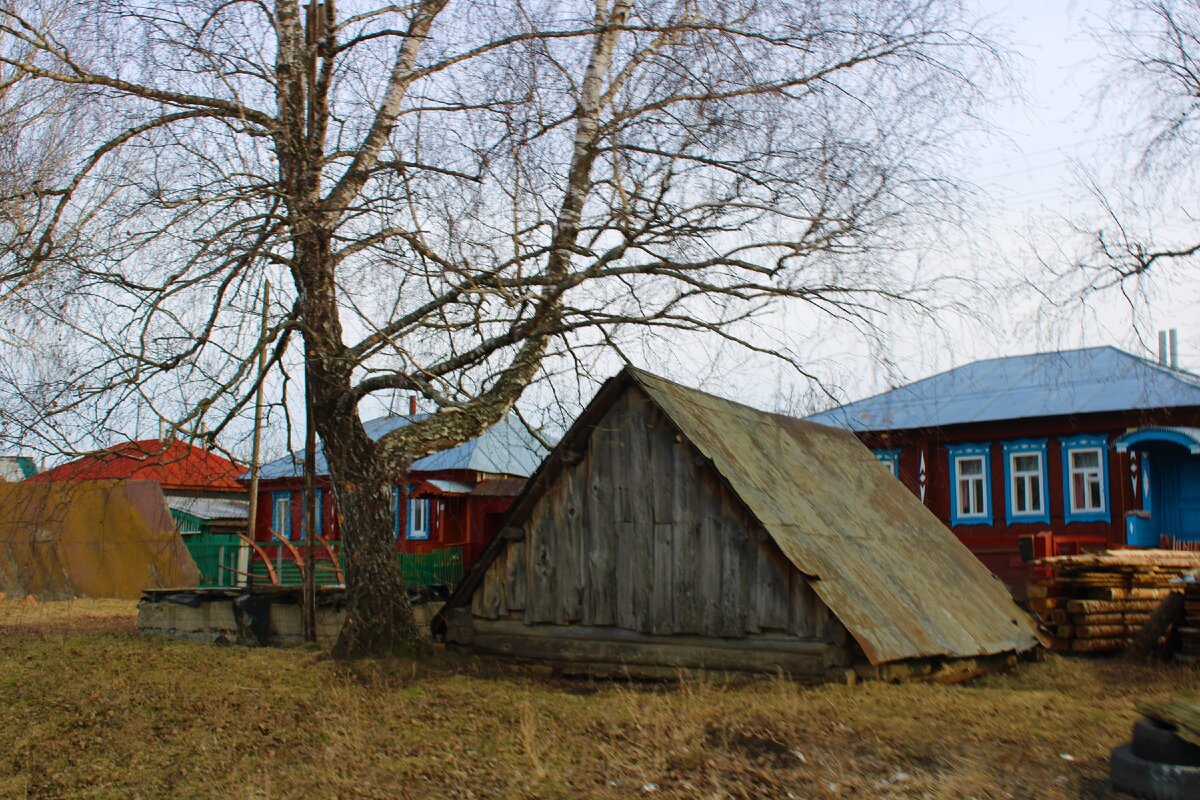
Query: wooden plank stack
x=1097 y=602
x=1189 y=632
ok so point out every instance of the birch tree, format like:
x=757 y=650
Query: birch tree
x=455 y=194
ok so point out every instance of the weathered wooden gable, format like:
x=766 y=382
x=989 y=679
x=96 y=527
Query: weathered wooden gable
x=637 y=531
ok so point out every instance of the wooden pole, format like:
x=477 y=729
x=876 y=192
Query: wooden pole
x=258 y=413
x=310 y=514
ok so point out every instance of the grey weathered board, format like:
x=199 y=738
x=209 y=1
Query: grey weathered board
x=638 y=533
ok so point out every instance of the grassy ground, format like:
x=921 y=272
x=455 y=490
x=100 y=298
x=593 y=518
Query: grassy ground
x=88 y=709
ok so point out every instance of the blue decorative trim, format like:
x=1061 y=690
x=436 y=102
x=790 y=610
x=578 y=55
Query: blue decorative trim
x=1086 y=442
x=957 y=451
x=282 y=527
x=1158 y=436
x=890 y=458
x=1025 y=447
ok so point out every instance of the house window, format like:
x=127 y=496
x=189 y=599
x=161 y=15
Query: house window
x=416 y=525
x=970 y=495
x=1025 y=481
x=281 y=514
x=1085 y=478
x=890 y=459
x=418 y=518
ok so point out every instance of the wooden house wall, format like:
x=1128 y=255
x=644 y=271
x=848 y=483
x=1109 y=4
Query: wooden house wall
x=464 y=521
x=996 y=545
x=640 y=534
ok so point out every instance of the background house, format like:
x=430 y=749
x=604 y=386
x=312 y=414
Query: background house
x=209 y=505
x=445 y=510
x=1096 y=446
x=673 y=529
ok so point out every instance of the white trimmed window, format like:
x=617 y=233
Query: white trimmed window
x=1086 y=480
x=281 y=514
x=1025 y=470
x=972 y=486
x=418 y=518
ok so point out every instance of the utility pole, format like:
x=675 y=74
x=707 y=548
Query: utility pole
x=258 y=413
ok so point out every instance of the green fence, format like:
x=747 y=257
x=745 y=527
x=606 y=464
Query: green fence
x=216 y=556
x=443 y=566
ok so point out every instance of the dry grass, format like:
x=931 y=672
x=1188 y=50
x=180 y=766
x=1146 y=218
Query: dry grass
x=89 y=710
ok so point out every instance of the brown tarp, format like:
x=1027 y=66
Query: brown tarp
x=89 y=539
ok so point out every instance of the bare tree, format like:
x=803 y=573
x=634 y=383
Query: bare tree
x=1152 y=52
x=457 y=195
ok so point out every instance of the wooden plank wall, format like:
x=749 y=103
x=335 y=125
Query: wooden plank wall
x=641 y=534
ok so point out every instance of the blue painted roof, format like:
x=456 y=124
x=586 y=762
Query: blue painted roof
x=1085 y=381
x=506 y=448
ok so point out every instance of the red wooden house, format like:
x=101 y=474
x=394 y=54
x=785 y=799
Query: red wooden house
x=445 y=510
x=1097 y=447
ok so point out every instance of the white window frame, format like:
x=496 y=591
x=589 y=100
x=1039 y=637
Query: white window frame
x=1033 y=482
x=1096 y=472
x=418 y=518
x=281 y=514
x=971 y=481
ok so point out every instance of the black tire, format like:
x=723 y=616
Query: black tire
x=1150 y=781
x=1154 y=741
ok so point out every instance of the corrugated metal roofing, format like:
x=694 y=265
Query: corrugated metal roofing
x=506 y=448
x=896 y=577
x=174 y=464
x=210 y=508
x=1084 y=381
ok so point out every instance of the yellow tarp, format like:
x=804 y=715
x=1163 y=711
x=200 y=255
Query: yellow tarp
x=89 y=539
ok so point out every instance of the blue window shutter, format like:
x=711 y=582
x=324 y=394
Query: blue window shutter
x=1025 y=447
x=1086 y=442
x=396 y=509
x=982 y=451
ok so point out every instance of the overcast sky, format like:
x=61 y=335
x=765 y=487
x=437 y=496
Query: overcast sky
x=1028 y=176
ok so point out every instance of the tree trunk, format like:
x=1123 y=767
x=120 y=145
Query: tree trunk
x=379 y=618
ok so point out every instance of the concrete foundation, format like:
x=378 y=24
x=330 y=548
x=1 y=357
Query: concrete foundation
x=205 y=616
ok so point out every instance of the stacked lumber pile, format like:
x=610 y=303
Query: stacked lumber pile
x=1097 y=602
x=1189 y=632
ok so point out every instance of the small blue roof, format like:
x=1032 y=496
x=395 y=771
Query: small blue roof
x=1085 y=381
x=506 y=448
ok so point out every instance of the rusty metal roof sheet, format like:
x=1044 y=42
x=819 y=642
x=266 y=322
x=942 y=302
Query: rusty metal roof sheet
x=895 y=576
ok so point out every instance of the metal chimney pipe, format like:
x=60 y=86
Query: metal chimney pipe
x=1162 y=348
x=1173 y=347
x=412 y=405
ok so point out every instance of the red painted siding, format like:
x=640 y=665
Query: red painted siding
x=466 y=521
x=997 y=544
